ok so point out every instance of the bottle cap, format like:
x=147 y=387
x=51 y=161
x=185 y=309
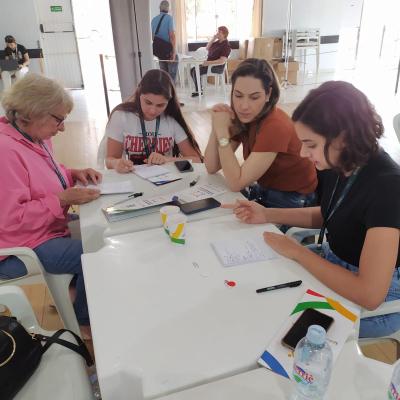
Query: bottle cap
x=316 y=334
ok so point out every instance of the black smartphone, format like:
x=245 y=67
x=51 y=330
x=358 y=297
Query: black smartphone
x=184 y=166
x=299 y=329
x=199 y=205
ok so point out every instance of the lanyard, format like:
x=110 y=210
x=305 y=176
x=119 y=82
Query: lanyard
x=332 y=208
x=55 y=167
x=148 y=150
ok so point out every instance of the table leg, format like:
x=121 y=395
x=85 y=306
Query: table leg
x=198 y=78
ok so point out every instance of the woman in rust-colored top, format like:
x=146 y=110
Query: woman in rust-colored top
x=271 y=148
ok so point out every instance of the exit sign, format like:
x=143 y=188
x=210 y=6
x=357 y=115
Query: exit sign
x=56 y=8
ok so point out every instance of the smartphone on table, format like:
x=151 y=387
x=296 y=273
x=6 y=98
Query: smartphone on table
x=183 y=166
x=198 y=206
x=300 y=327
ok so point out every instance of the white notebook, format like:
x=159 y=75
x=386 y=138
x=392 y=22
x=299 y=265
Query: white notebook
x=242 y=251
x=111 y=187
x=148 y=171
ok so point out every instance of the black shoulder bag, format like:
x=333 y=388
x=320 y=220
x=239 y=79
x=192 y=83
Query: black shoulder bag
x=21 y=351
x=161 y=48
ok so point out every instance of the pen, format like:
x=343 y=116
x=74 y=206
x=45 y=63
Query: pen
x=194 y=181
x=280 y=286
x=126 y=154
x=134 y=195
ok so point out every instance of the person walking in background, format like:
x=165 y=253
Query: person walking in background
x=218 y=52
x=163 y=27
x=15 y=51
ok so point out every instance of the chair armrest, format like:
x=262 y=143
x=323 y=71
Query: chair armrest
x=27 y=256
x=389 y=307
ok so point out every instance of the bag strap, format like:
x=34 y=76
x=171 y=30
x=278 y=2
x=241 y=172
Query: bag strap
x=158 y=26
x=80 y=348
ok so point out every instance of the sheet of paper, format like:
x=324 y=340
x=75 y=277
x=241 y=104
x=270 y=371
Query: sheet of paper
x=242 y=251
x=280 y=360
x=148 y=171
x=111 y=187
x=139 y=203
x=165 y=178
x=200 y=192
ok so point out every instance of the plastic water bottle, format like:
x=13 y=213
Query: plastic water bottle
x=312 y=365
x=394 y=387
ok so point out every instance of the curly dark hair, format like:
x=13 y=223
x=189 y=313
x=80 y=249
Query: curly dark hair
x=262 y=70
x=156 y=81
x=338 y=108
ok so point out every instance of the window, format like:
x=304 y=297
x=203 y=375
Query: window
x=203 y=17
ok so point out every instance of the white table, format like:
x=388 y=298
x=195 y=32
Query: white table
x=354 y=377
x=94 y=225
x=164 y=309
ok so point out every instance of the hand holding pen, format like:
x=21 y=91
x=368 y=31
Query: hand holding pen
x=124 y=165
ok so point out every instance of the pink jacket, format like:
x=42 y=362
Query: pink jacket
x=30 y=211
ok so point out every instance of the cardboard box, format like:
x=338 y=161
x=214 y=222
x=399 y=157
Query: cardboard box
x=267 y=48
x=293 y=67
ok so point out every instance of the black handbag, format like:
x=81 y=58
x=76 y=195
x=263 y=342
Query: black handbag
x=161 y=48
x=21 y=352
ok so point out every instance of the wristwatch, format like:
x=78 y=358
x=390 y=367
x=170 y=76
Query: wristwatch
x=223 y=142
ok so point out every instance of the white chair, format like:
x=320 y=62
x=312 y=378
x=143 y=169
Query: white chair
x=101 y=153
x=389 y=307
x=396 y=125
x=219 y=78
x=58 y=284
x=61 y=373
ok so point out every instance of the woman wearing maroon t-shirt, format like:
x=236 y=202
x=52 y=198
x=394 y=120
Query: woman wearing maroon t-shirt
x=218 y=52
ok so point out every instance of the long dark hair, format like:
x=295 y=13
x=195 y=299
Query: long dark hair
x=262 y=70
x=338 y=108
x=156 y=81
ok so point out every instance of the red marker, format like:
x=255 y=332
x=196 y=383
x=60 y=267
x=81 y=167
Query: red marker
x=230 y=283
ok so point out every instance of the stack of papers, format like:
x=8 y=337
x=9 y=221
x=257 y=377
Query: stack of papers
x=156 y=174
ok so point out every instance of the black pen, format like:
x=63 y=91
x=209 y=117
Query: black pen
x=134 y=195
x=280 y=286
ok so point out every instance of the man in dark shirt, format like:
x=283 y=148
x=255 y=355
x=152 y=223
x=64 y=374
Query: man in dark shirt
x=17 y=52
x=218 y=52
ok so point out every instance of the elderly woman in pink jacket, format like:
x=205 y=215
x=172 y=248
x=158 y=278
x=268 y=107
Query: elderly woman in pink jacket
x=36 y=191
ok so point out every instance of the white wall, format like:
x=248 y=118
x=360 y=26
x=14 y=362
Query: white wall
x=19 y=18
x=331 y=16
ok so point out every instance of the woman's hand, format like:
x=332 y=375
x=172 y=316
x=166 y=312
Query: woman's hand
x=123 y=166
x=156 y=158
x=221 y=118
x=74 y=195
x=249 y=212
x=283 y=245
x=86 y=175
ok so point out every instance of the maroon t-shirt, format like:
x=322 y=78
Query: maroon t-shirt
x=219 y=49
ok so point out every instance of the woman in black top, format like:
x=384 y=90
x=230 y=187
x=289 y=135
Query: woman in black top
x=360 y=203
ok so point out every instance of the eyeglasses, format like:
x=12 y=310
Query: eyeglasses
x=58 y=119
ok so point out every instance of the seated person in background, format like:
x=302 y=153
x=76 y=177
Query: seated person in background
x=17 y=52
x=36 y=191
x=218 y=52
x=360 y=191
x=149 y=127
x=271 y=148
